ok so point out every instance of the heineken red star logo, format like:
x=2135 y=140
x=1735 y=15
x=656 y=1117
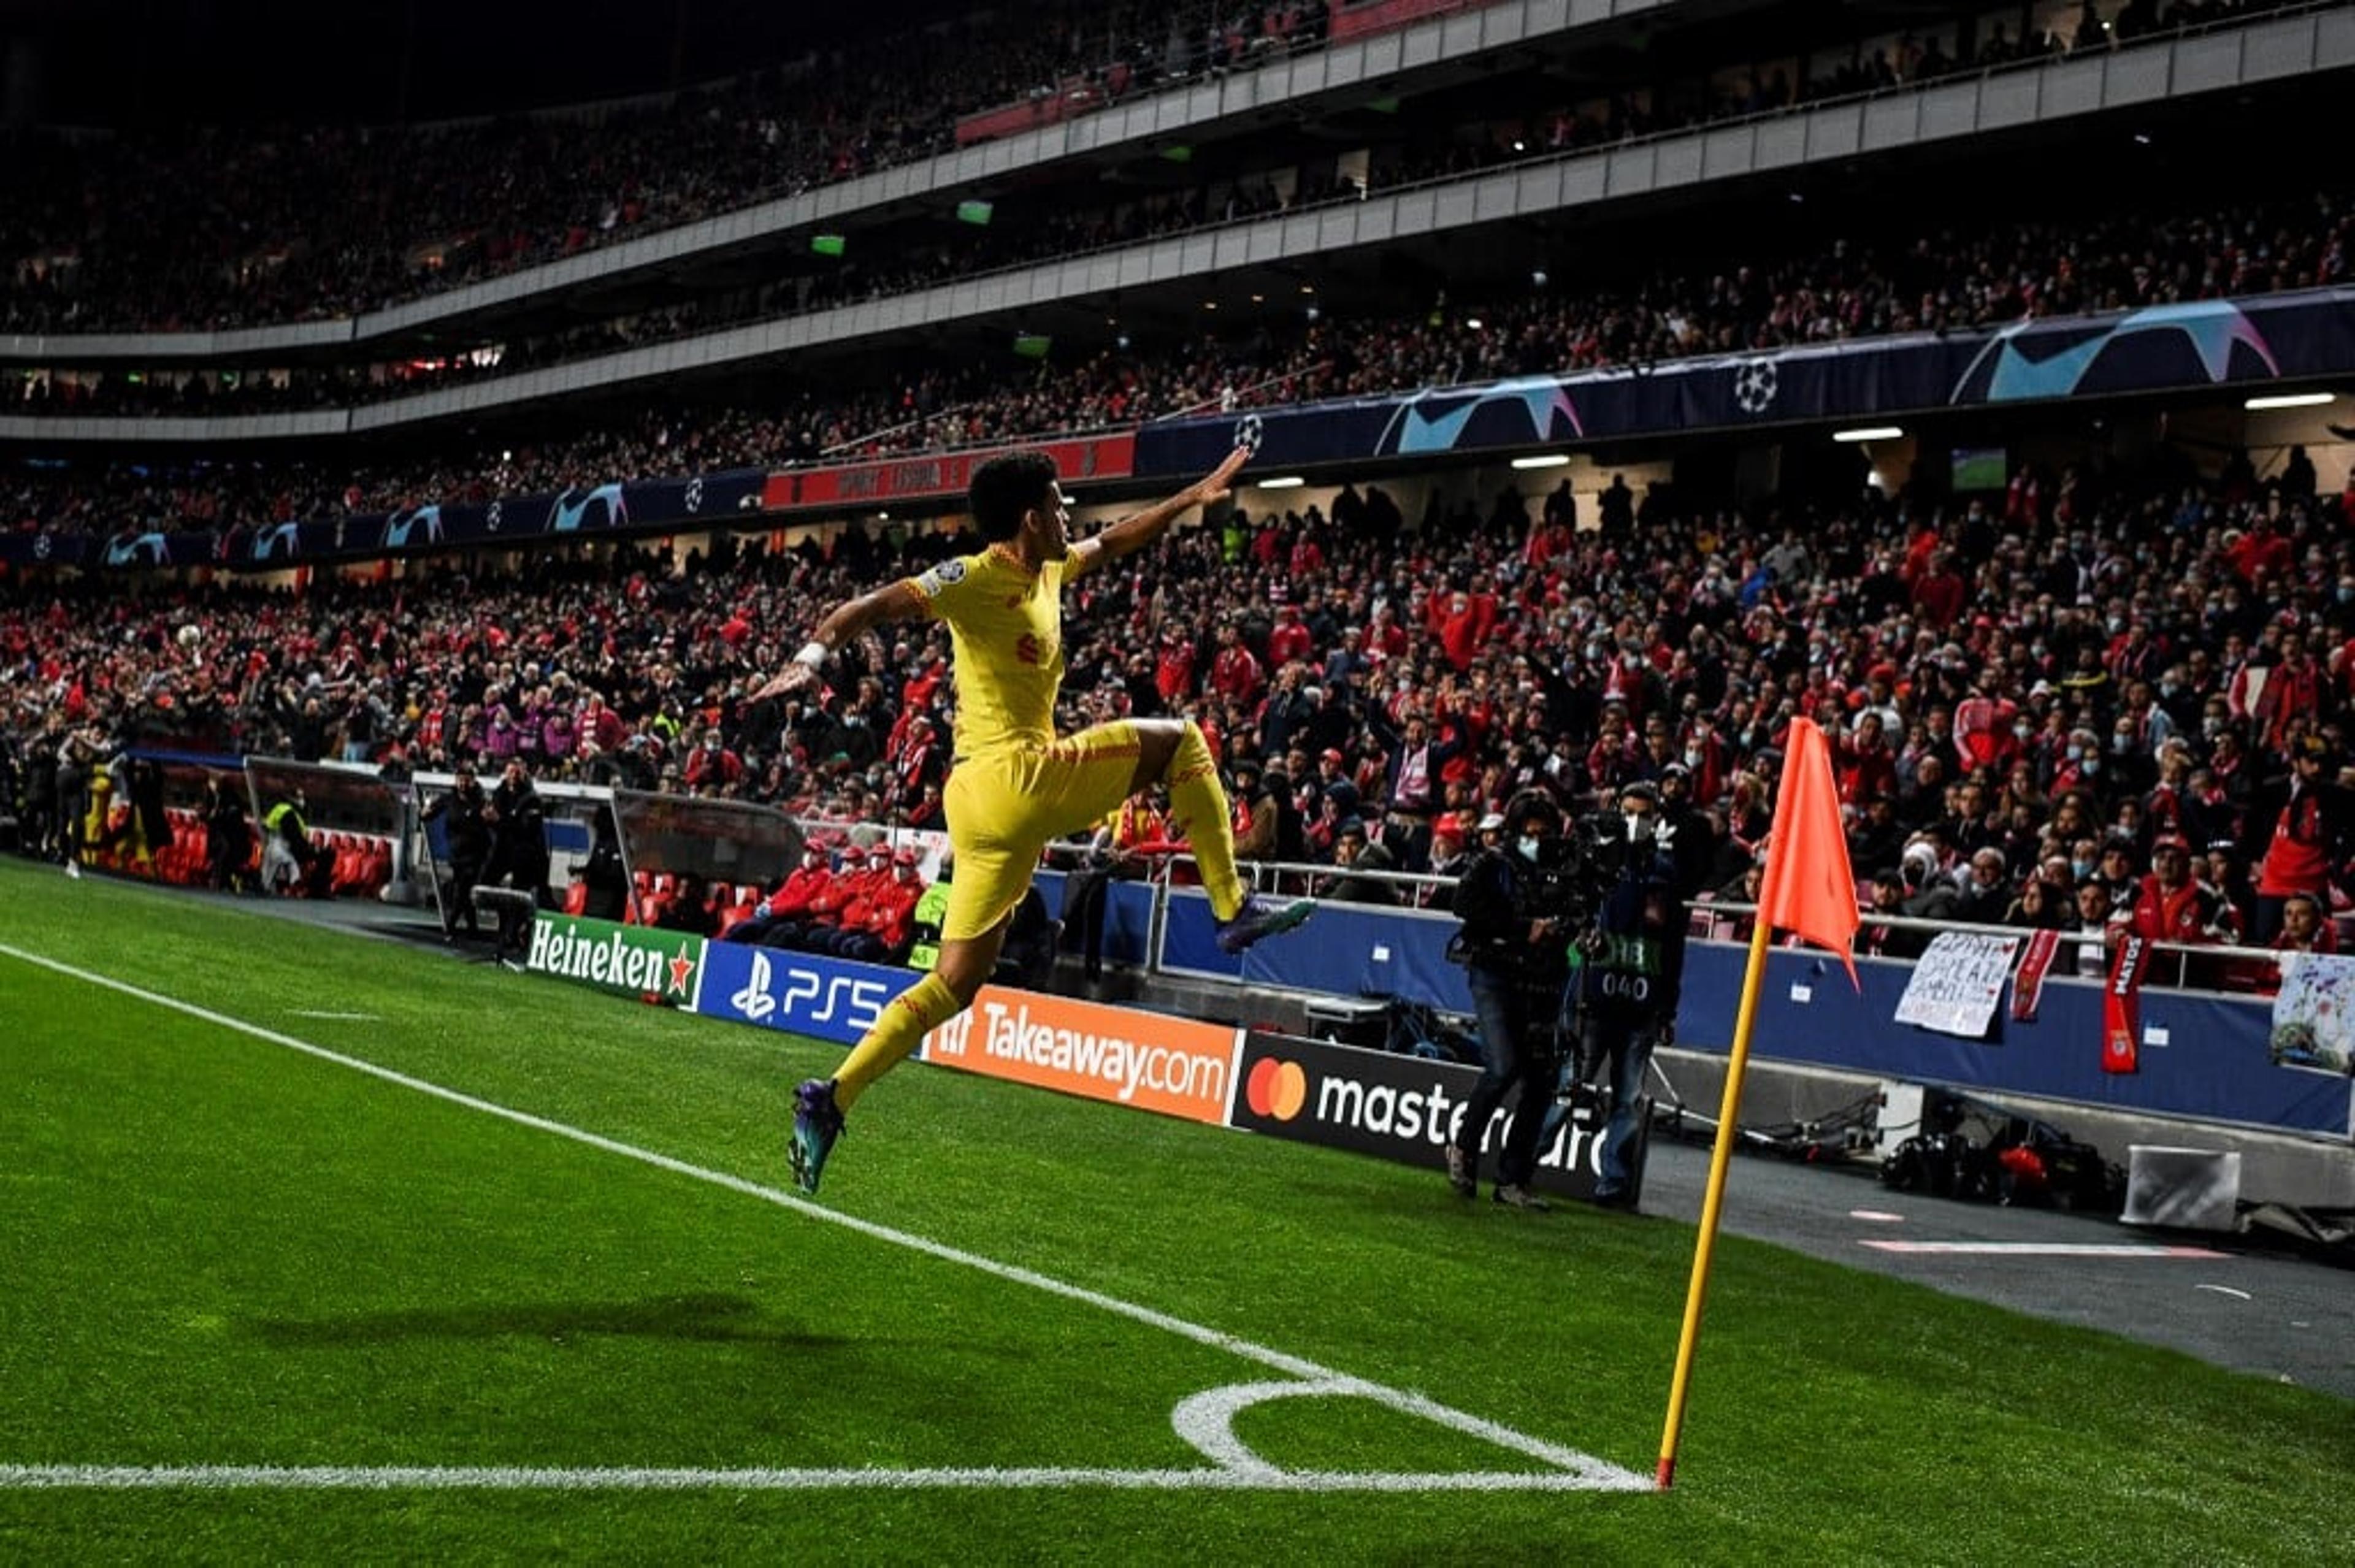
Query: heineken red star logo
x=681 y=968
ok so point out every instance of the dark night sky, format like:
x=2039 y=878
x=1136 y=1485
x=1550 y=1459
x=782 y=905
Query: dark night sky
x=181 y=62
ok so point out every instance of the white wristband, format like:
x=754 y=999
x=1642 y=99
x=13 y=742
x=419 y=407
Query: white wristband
x=814 y=654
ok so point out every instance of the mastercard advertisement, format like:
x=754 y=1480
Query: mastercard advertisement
x=1401 y=1108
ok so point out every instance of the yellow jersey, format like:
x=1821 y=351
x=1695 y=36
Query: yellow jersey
x=1006 y=627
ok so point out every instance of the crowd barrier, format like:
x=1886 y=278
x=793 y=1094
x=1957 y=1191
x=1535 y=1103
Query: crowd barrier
x=2199 y=1055
x=2204 y=1055
x=1401 y=1108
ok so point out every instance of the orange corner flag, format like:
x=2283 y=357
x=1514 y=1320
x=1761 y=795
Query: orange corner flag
x=1810 y=889
x=1811 y=893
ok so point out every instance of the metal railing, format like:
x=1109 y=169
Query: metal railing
x=2225 y=968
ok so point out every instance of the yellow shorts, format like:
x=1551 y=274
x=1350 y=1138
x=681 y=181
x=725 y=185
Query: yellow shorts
x=1003 y=806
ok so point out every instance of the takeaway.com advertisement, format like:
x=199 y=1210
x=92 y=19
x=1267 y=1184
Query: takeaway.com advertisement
x=1151 y=1060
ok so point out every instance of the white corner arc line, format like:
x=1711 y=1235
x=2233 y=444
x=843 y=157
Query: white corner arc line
x=505 y=1478
x=1206 y=1420
x=1580 y=1471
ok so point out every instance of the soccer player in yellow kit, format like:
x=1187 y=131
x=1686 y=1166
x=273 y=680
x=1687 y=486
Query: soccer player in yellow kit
x=1013 y=786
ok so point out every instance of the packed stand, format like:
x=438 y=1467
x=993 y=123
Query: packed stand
x=475 y=201
x=309 y=238
x=1943 y=280
x=2085 y=705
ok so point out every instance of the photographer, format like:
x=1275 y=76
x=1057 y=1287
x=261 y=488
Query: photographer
x=467 y=834
x=1632 y=964
x=518 y=852
x=1514 y=942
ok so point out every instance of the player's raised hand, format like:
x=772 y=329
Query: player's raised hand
x=1215 y=486
x=795 y=676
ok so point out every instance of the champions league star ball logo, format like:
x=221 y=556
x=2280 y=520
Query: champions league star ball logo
x=695 y=494
x=1755 y=386
x=491 y=518
x=1249 y=433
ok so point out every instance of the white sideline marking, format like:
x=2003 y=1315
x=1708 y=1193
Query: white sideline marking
x=339 y=1017
x=1877 y=1216
x=1575 y=1471
x=2048 y=1249
x=398 y=1477
x=2226 y=1290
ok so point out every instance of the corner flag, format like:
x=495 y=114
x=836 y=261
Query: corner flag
x=1809 y=891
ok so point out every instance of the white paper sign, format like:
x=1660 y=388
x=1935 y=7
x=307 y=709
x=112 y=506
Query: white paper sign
x=1957 y=983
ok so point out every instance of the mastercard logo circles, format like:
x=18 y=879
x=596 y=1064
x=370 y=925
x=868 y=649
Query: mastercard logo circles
x=1275 y=1089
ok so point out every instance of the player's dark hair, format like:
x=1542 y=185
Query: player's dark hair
x=1005 y=487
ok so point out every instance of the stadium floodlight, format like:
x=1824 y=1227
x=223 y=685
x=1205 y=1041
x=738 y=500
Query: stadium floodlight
x=1869 y=432
x=2291 y=400
x=1282 y=481
x=1543 y=460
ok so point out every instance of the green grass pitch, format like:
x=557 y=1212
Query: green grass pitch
x=544 y=1250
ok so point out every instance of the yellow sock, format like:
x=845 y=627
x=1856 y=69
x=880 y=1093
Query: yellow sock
x=1198 y=802
x=919 y=1009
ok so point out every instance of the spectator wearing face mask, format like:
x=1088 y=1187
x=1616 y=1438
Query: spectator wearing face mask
x=1986 y=892
x=711 y=766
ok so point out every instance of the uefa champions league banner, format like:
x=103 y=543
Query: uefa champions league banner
x=2205 y=343
x=637 y=506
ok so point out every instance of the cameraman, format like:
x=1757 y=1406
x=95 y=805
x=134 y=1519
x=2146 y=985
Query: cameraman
x=1631 y=962
x=1516 y=946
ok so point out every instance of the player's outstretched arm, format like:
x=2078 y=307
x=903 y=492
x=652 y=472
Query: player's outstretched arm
x=1134 y=532
x=850 y=619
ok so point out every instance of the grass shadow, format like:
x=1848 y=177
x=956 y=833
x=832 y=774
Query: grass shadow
x=715 y=1318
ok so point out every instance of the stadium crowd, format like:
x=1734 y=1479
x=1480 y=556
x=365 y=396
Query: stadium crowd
x=2089 y=697
x=121 y=231
x=1940 y=281
x=1960 y=275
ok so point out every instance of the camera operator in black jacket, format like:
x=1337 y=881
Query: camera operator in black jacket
x=1632 y=961
x=1514 y=942
x=467 y=834
x=518 y=851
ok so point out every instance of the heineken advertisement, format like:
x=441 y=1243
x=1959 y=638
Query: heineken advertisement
x=644 y=961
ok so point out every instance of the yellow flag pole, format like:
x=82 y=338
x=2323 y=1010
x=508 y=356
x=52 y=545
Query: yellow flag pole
x=1721 y=1156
